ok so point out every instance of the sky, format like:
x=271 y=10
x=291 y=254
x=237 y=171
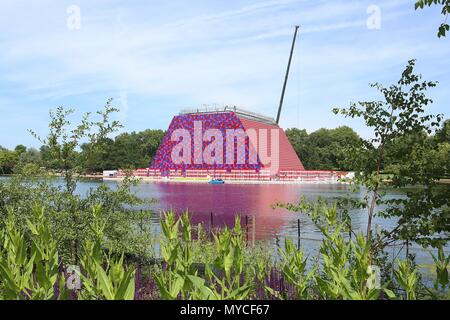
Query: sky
x=158 y=57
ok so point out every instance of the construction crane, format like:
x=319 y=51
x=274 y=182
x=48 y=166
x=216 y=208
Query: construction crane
x=287 y=75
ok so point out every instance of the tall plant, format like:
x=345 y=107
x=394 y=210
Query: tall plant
x=69 y=208
x=28 y=266
x=63 y=142
x=398 y=121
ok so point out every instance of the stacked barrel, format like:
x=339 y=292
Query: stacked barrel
x=238 y=175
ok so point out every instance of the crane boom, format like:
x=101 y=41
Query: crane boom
x=287 y=75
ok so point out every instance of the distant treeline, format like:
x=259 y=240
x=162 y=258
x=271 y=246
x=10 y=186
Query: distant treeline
x=127 y=150
x=328 y=149
x=323 y=149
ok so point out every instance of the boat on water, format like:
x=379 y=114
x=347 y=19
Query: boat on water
x=216 y=181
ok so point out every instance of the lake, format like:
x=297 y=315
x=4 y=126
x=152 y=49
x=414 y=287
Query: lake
x=255 y=200
x=223 y=202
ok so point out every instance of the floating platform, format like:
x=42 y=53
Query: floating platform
x=237 y=176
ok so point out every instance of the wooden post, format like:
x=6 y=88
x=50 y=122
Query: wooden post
x=350 y=231
x=212 y=221
x=253 y=230
x=299 y=234
x=141 y=225
x=376 y=232
x=211 y=226
x=246 y=228
x=407 y=249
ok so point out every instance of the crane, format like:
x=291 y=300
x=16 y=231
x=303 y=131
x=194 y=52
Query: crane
x=287 y=75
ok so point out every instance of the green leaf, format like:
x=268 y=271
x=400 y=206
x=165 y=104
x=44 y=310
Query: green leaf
x=127 y=286
x=389 y=293
x=177 y=286
x=104 y=282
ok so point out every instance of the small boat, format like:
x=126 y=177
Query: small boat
x=216 y=181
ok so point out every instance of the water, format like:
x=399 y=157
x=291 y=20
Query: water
x=256 y=200
x=248 y=201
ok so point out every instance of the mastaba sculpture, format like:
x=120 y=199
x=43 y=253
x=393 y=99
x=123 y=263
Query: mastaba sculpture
x=225 y=139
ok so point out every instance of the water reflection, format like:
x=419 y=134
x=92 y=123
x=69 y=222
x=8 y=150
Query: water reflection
x=225 y=201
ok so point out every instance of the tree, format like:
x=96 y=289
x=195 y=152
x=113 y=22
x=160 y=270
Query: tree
x=444 y=27
x=323 y=149
x=443 y=134
x=8 y=160
x=400 y=120
x=32 y=155
x=19 y=149
x=70 y=210
x=28 y=159
x=126 y=151
x=299 y=141
x=63 y=143
x=442 y=139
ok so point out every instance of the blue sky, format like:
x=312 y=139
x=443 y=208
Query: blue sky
x=157 y=57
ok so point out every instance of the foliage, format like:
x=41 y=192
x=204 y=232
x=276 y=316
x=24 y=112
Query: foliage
x=181 y=277
x=443 y=133
x=30 y=267
x=28 y=271
x=442 y=282
x=323 y=149
x=127 y=150
x=63 y=141
x=8 y=160
x=444 y=27
x=407 y=278
x=126 y=229
x=115 y=282
x=294 y=269
x=30 y=264
x=400 y=127
x=228 y=278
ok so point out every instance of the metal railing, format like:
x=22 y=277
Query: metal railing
x=239 y=111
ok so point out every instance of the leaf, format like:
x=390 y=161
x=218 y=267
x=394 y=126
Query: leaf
x=63 y=292
x=165 y=294
x=199 y=284
x=240 y=293
x=10 y=285
x=127 y=286
x=389 y=293
x=32 y=227
x=273 y=292
x=177 y=286
x=104 y=282
x=228 y=262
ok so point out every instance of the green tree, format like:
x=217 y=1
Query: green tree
x=399 y=120
x=19 y=149
x=126 y=151
x=323 y=149
x=443 y=134
x=8 y=160
x=71 y=210
x=63 y=142
x=30 y=158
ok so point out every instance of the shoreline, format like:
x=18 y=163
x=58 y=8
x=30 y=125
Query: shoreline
x=205 y=181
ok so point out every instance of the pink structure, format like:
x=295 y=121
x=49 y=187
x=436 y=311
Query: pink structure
x=262 y=153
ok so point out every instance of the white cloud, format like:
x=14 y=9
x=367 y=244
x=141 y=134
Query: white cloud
x=227 y=53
